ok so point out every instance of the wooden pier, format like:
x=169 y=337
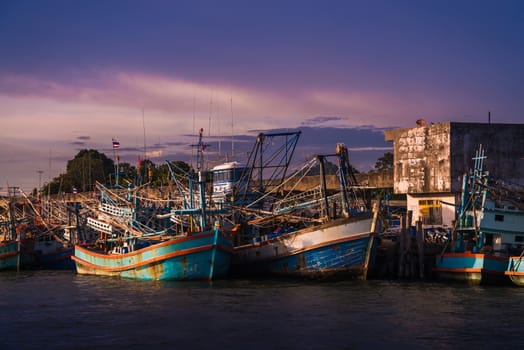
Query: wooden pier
x=407 y=254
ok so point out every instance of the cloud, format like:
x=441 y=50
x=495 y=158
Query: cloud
x=166 y=113
x=323 y=121
x=367 y=149
x=155 y=154
x=169 y=99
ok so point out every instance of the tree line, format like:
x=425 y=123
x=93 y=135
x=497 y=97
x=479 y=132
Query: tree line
x=90 y=166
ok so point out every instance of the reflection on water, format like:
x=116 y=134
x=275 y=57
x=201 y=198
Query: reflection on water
x=62 y=310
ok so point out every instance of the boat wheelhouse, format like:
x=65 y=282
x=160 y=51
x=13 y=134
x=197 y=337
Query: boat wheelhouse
x=228 y=179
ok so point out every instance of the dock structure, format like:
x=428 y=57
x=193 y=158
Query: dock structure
x=408 y=253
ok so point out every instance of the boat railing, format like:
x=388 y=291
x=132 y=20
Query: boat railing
x=298 y=199
x=99 y=225
x=124 y=212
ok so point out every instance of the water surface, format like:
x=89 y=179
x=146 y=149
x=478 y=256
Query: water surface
x=62 y=310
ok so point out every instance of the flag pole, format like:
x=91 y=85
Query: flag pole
x=116 y=146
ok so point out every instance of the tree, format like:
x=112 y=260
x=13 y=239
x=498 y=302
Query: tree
x=86 y=168
x=91 y=166
x=163 y=175
x=146 y=171
x=385 y=162
x=127 y=174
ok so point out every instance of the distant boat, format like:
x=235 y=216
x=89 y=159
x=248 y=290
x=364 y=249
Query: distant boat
x=308 y=234
x=53 y=255
x=9 y=242
x=9 y=254
x=489 y=229
x=515 y=269
x=47 y=241
x=129 y=249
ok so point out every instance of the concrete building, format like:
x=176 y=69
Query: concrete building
x=430 y=161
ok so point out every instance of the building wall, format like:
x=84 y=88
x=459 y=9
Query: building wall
x=421 y=159
x=503 y=146
x=430 y=161
x=377 y=179
x=433 y=158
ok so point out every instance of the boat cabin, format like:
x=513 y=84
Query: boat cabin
x=227 y=180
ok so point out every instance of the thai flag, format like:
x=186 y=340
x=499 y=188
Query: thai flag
x=116 y=144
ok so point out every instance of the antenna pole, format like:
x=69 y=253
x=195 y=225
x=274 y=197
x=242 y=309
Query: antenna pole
x=232 y=130
x=144 y=128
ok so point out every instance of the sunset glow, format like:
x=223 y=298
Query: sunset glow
x=74 y=75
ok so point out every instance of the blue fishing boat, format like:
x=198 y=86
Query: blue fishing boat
x=53 y=255
x=198 y=256
x=515 y=269
x=489 y=229
x=310 y=233
x=9 y=254
x=194 y=247
x=339 y=247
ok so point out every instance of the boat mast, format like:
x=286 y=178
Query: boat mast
x=323 y=186
x=343 y=164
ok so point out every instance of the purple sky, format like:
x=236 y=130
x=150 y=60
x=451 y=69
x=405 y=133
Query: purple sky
x=75 y=74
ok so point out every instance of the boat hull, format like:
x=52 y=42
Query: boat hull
x=48 y=255
x=196 y=257
x=58 y=260
x=471 y=268
x=340 y=247
x=515 y=270
x=9 y=255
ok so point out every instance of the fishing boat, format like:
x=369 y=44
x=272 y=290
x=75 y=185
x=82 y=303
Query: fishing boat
x=9 y=254
x=515 y=269
x=307 y=233
x=40 y=249
x=488 y=230
x=198 y=256
x=52 y=254
x=193 y=248
x=9 y=242
x=48 y=233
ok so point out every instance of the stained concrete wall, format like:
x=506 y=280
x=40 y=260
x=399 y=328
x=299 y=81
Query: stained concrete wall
x=433 y=158
x=503 y=146
x=421 y=159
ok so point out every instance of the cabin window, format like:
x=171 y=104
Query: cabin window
x=519 y=239
x=499 y=205
x=499 y=217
